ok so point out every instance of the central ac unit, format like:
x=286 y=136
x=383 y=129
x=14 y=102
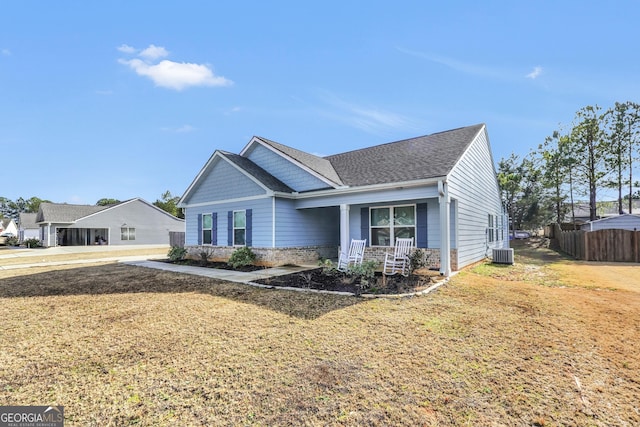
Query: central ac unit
x=503 y=256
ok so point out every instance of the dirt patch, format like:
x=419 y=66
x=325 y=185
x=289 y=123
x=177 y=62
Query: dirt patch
x=498 y=345
x=319 y=279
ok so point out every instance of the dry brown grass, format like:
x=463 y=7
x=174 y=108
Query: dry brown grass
x=120 y=345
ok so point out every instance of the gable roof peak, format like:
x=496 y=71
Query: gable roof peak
x=318 y=165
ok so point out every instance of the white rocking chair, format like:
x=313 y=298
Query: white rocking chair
x=354 y=256
x=398 y=262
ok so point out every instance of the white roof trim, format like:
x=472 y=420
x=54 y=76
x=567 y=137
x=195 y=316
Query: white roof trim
x=225 y=201
x=302 y=166
x=220 y=155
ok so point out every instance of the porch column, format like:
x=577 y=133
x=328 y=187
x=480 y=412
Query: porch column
x=445 y=229
x=344 y=227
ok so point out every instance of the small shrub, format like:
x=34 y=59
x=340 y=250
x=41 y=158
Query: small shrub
x=328 y=267
x=416 y=260
x=177 y=253
x=241 y=257
x=205 y=254
x=13 y=241
x=363 y=274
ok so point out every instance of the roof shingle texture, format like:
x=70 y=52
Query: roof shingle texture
x=321 y=165
x=257 y=172
x=58 y=212
x=407 y=160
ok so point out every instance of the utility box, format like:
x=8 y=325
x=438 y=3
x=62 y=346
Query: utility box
x=503 y=256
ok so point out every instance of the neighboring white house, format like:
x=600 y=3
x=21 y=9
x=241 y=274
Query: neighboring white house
x=8 y=225
x=629 y=222
x=133 y=222
x=292 y=206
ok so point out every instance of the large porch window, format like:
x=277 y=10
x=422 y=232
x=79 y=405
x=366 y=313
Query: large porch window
x=390 y=222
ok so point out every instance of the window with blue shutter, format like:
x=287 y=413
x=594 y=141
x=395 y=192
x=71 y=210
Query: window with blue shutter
x=249 y=227
x=214 y=228
x=364 y=224
x=421 y=232
x=230 y=228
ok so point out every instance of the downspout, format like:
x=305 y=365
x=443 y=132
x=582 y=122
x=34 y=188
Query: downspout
x=445 y=228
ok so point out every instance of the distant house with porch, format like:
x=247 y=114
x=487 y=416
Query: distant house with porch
x=291 y=206
x=133 y=222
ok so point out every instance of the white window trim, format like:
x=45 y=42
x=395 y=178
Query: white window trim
x=128 y=233
x=392 y=226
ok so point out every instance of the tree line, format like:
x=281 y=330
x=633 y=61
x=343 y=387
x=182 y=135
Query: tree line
x=599 y=150
x=13 y=208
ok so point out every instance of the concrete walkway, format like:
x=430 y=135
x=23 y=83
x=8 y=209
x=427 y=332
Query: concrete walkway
x=215 y=273
x=35 y=258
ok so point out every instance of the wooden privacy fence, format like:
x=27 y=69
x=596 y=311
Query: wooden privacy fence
x=612 y=245
x=176 y=238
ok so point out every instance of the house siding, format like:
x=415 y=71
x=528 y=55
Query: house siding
x=304 y=227
x=261 y=230
x=211 y=188
x=473 y=185
x=622 y=222
x=287 y=172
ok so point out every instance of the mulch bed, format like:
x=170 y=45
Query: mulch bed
x=335 y=281
x=340 y=282
x=214 y=264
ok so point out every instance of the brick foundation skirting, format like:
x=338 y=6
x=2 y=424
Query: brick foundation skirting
x=309 y=255
x=270 y=257
x=431 y=256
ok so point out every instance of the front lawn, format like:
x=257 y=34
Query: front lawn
x=121 y=345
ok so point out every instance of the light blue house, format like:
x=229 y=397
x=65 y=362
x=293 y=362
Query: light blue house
x=294 y=207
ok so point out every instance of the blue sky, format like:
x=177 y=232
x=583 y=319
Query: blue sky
x=124 y=99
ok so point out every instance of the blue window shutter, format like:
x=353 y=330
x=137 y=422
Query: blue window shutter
x=214 y=228
x=421 y=223
x=364 y=225
x=249 y=227
x=230 y=228
x=199 y=229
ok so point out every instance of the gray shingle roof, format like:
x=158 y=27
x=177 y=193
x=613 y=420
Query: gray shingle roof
x=64 y=213
x=270 y=181
x=412 y=159
x=27 y=220
x=318 y=164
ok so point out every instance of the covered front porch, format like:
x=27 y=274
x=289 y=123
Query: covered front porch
x=68 y=236
x=430 y=222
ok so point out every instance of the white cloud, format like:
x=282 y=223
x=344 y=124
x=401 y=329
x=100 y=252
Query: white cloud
x=6 y=52
x=457 y=65
x=154 y=52
x=181 y=129
x=185 y=129
x=170 y=74
x=125 y=48
x=372 y=120
x=535 y=73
